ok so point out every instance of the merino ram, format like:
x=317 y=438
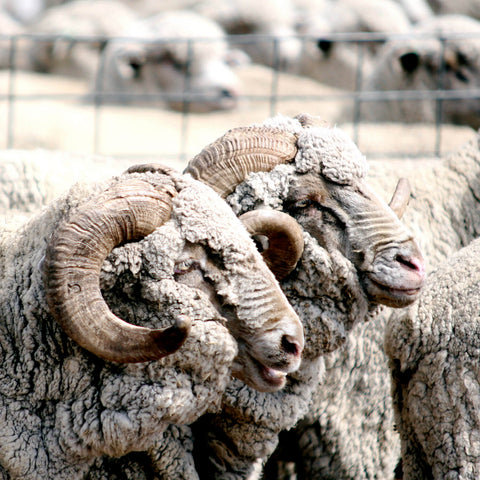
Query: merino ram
x=357 y=256
x=178 y=56
x=78 y=384
x=443 y=215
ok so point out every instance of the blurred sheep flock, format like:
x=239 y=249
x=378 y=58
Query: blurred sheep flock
x=161 y=79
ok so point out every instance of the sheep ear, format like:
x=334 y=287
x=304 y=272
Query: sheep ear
x=409 y=61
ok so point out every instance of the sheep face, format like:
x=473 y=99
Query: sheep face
x=354 y=221
x=264 y=357
x=325 y=59
x=201 y=87
x=178 y=56
x=331 y=60
x=357 y=253
x=182 y=80
x=204 y=248
x=438 y=59
x=244 y=291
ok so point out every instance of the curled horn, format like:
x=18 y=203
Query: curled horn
x=285 y=239
x=226 y=162
x=400 y=197
x=126 y=212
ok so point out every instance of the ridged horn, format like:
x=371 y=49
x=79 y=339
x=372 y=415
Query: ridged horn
x=285 y=239
x=126 y=212
x=400 y=197
x=226 y=162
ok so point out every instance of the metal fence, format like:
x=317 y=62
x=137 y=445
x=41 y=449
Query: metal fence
x=34 y=108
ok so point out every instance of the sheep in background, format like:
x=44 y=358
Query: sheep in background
x=416 y=10
x=75 y=34
x=23 y=11
x=433 y=351
x=337 y=62
x=31 y=179
x=8 y=23
x=335 y=285
x=349 y=431
x=470 y=8
x=426 y=63
x=184 y=259
x=179 y=56
x=271 y=25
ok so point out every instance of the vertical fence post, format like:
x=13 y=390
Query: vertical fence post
x=275 y=78
x=358 y=89
x=438 y=99
x=186 y=102
x=11 y=91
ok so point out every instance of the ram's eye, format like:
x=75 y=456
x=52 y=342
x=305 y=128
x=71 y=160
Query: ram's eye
x=186 y=266
x=306 y=202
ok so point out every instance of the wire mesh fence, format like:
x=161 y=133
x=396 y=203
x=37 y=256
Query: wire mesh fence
x=47 y=110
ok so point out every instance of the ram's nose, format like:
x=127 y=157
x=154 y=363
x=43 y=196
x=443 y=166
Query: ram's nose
x=292 y=346
x=413 y=264
x=292 y=342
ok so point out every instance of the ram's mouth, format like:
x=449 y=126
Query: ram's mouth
x=258 y=375
x=391 y=296
x=271 y=376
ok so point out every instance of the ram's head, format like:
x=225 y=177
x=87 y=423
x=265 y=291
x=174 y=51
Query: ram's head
x=186 y=235
x=317 y=175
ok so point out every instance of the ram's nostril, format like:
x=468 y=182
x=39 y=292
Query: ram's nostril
x=325 y=45
x=290 y=345
x=226 y=93
x=402 y=260
x=411 y=263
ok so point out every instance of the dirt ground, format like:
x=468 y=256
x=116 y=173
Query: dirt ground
x=50 y=113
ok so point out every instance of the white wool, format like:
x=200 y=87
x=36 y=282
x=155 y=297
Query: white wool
x=325 y=150
x=331 y=152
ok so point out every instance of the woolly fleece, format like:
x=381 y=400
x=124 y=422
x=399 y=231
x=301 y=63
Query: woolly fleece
x=444 y=215
x=64 y=411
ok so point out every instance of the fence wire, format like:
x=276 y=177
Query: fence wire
x=186 y=132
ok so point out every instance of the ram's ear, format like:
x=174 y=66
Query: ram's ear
x=409 y=61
